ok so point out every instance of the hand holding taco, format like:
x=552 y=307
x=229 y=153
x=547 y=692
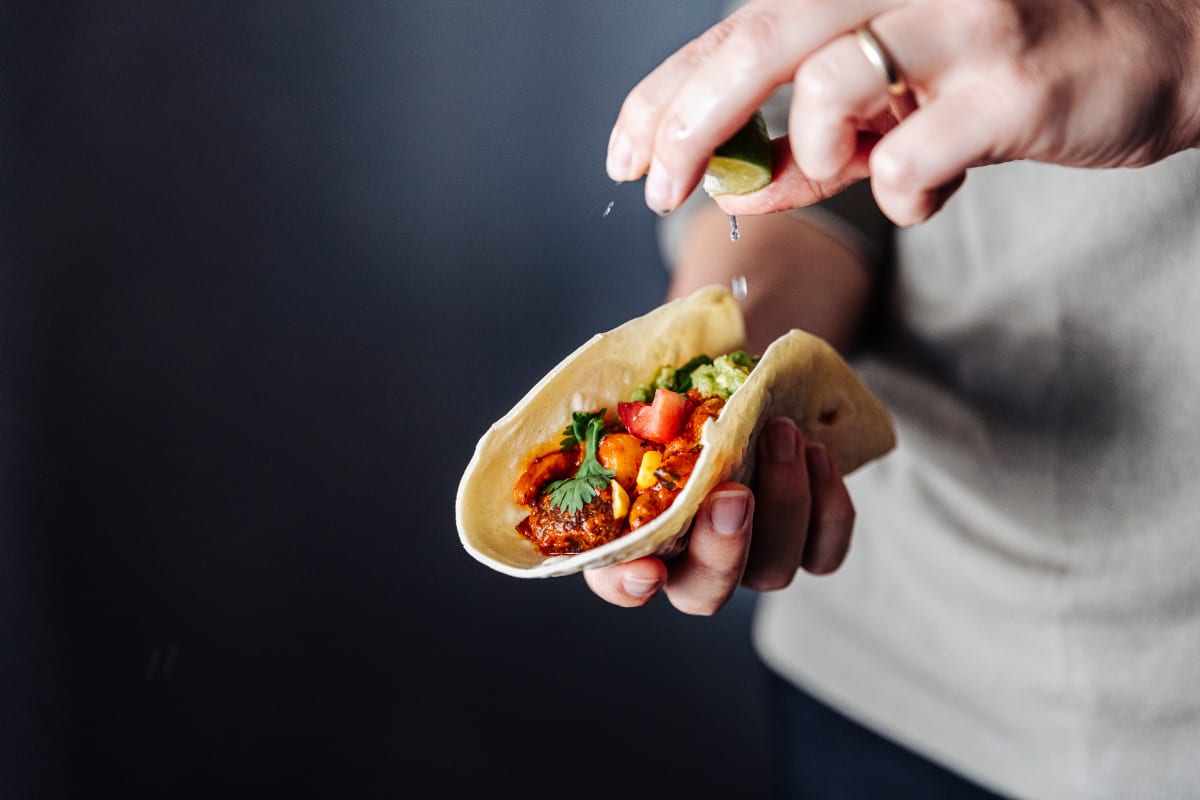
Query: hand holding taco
x=657 y=412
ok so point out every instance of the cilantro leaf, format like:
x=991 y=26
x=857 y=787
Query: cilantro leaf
x=576 y=430
x=572 y=494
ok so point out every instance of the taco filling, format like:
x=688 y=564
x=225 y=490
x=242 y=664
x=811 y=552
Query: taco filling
x=611 y=475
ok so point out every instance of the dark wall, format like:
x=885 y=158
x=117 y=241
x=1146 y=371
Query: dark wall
x=269 y=270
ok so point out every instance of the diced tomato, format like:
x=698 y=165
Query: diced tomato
x=657 y=421
x=632 y=415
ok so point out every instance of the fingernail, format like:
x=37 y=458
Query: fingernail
x=781 y=442
x=660 y=189
x=639 y=587
x=620 y=158
x=819 y=462
x=728 y=512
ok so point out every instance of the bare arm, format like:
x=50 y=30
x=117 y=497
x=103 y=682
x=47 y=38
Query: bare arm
x=798 y=274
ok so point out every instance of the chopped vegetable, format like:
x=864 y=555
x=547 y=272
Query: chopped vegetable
x=650 y=462
x=658 y=421
x=620 y=501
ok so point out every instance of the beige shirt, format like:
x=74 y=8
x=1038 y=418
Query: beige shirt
x=1022 y=598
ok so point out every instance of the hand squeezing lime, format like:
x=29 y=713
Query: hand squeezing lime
x=743 y=163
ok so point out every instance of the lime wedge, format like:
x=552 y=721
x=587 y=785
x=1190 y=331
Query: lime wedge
x=743 y=163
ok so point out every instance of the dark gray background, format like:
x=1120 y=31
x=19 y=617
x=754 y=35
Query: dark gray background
x=269 y=270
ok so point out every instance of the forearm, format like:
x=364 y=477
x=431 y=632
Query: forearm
x=798 y=274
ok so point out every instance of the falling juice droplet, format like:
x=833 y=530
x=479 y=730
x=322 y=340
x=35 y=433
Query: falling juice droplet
x=608 y=209
x=733 y=228
x=738 y=287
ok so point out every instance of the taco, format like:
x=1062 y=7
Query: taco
x=799 y=375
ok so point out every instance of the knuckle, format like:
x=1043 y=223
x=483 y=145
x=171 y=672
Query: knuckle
x=1004 y=24
x=997 y=16
x=786 y=517
x=749 y=42
x=836 y=528
x=816 y=80
x=1004 y=38
x=706 y=43
x=640 y=104
x=840 y=517
x=718 y=576
x=674 y=128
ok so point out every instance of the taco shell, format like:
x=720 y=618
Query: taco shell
x=799 y=376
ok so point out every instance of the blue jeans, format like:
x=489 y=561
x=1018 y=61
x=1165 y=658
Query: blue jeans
x=822 y=755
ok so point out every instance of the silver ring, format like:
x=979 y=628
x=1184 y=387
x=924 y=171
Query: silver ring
x=875 y=52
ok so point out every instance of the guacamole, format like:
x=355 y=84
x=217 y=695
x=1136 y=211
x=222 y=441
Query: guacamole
x=718 y=377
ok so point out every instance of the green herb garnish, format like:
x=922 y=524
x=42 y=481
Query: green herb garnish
x=576 y=430
x=572 y=494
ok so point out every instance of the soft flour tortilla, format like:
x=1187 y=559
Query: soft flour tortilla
x=799 y=376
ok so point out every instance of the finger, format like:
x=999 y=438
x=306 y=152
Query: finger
x=832 y=518
x=949 y=126
x=837 y=93
x=632 y=137
x=783 y=502
x=631 y=584
x=840 y=91
x=911 y=180
x=703 y=578
x=791 y=188
x=759 y=54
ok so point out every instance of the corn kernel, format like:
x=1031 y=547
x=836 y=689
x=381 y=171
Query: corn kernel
x=650 y=462
x=620 y=503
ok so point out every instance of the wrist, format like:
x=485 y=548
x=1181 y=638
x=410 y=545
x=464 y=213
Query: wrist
x=798 y=274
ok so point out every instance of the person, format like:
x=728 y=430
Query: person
x=1019 y=614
